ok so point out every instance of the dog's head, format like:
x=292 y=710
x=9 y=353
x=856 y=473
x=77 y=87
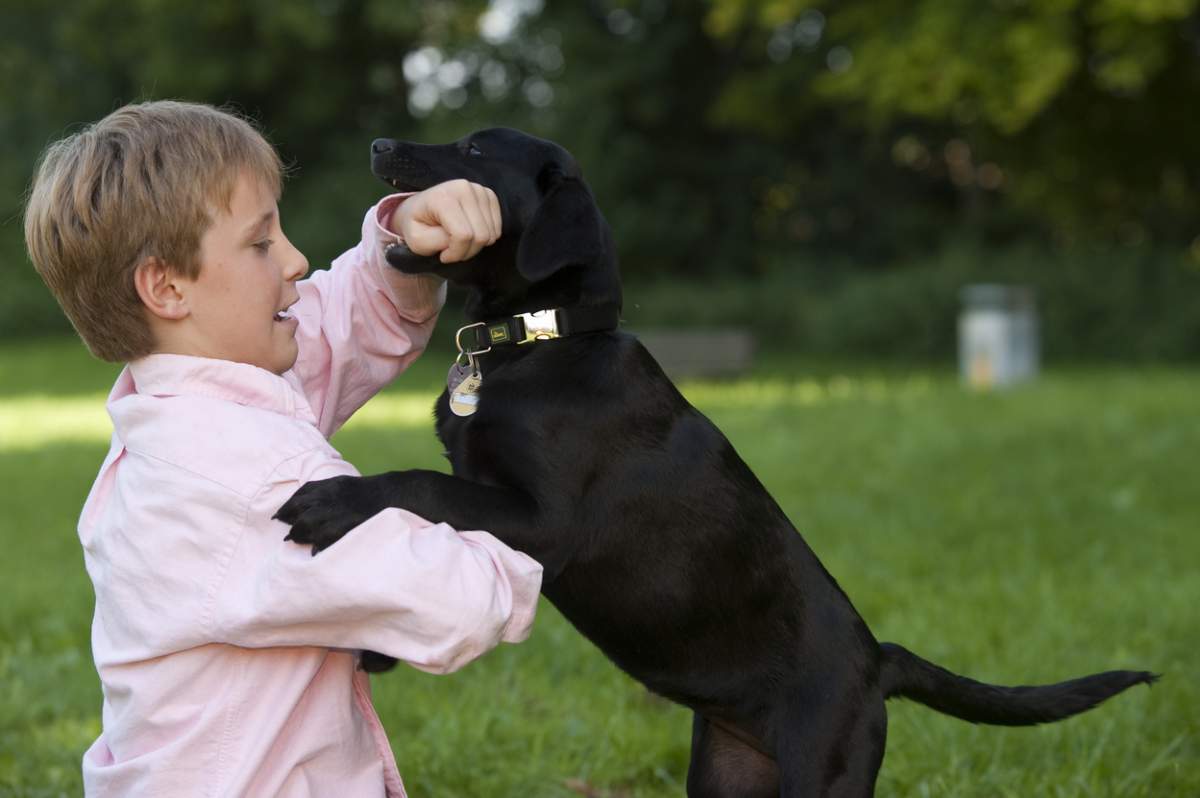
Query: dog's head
x=555 y=247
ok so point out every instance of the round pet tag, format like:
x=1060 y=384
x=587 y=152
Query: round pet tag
x=464 y=399
x=457 y=374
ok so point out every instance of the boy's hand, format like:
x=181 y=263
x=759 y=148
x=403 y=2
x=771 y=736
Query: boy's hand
x=457 y=218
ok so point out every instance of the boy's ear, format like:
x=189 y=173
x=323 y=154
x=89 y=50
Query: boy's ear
x=156 y=285
x=565 y=230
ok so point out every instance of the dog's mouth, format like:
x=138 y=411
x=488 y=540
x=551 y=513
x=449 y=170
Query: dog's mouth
x=401 y=166
x=400 y=184
x=403 y=174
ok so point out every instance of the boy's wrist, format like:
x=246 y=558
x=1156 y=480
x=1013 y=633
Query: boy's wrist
x=417 y=297
x=388 y=215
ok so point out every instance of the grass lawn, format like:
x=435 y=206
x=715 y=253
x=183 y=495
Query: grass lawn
x=1020 y=537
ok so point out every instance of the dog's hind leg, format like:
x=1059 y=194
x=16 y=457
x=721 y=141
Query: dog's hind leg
x=832 y=746
x=723 y=766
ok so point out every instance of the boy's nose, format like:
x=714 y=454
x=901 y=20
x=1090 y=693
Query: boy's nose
x=296 y=266
x=380 y=146
x=299 y=266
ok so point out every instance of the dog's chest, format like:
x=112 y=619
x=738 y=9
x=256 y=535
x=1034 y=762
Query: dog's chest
x=470 y=442
x=508 y=437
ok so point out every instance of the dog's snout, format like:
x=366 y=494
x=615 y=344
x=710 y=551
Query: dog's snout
x=380 y=146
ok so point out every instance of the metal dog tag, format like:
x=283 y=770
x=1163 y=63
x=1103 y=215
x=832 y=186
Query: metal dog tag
x=457 y=374
x=464 y=398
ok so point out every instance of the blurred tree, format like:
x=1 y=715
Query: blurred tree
x=732 y=137
x=634 y=89
x=318 y=76
x=1080 y=111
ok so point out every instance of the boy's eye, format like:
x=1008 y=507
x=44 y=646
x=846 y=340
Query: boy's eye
x=264 y=245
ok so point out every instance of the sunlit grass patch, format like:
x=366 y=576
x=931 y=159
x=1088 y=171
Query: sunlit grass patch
x=395 y=409
x=36 y=420
x=29 y=421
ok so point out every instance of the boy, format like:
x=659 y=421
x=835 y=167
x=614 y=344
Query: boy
x=226 y=654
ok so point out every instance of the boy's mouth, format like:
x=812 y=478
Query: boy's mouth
x=284 y=314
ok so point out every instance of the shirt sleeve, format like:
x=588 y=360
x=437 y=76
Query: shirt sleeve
x=361 y=323
x=397 y=584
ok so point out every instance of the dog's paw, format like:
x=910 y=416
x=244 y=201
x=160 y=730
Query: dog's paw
x=374 y=662
x=322 y=512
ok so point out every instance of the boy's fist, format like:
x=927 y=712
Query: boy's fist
x=457 y=218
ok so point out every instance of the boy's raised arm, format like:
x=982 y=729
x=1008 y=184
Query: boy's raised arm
x=361 y=323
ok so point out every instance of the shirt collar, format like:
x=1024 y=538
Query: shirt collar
x=186 y=375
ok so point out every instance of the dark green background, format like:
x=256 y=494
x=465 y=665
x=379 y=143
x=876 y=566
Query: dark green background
x=829 y=173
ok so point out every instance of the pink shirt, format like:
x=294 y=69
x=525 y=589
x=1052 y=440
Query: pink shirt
x=227 y=655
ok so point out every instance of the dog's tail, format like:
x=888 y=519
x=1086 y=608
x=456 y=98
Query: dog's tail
x=905 y=675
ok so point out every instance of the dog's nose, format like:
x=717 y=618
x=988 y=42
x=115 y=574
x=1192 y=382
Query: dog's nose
x=380 y=146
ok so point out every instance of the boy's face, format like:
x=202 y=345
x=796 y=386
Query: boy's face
x=248 y=271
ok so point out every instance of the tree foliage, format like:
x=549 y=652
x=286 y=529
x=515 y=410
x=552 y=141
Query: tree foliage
x=726 y=138
x=1079 y=109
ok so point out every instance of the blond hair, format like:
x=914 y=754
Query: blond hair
x=142 y=182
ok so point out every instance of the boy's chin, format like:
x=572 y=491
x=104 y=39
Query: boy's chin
x=285 y=363
x=283 y=359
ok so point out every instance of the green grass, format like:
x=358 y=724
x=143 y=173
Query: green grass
x=1015 y=537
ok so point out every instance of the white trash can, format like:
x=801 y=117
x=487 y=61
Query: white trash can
x=997 y=336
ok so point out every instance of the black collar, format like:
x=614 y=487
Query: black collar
x=537 y=325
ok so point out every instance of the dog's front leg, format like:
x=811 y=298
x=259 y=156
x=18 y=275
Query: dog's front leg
x=321 y=512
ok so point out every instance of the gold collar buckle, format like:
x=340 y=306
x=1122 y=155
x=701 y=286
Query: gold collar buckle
x=540 y=325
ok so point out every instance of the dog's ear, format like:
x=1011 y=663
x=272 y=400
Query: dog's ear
x=565 y=230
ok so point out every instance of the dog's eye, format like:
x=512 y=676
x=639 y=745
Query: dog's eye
x=473 y=150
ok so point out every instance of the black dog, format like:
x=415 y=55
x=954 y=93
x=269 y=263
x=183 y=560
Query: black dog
x=658 y=542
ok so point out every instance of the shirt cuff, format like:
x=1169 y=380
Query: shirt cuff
x=383 y=214
x=418 y=296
